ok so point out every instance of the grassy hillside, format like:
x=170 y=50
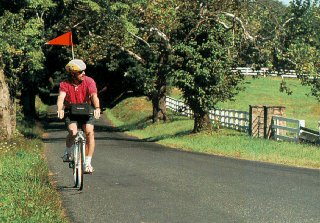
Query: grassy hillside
x=265 y=91
x=133 y=116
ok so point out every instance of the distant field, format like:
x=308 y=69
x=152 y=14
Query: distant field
x=265 y=91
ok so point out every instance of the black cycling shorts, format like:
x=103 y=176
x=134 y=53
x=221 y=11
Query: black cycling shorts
x=79 y=121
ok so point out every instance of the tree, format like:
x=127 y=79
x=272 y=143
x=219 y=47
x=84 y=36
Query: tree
x=20 y=46
x=136 y=33
x=147 y=42
x=149 y=27
x=159 y=28
x=7 y=109
x=299 y=44
x=203 y=64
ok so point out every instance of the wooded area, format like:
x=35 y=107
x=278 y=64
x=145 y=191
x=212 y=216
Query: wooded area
x=148 y=46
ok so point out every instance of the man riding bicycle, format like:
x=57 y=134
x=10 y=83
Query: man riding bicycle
x=77 y=89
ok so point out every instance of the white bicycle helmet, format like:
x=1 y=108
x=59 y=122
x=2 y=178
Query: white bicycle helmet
x=75 y=65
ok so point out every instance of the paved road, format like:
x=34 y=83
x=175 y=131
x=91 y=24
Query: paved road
x=137 y=181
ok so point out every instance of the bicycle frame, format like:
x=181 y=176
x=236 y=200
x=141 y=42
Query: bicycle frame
x=79 y=159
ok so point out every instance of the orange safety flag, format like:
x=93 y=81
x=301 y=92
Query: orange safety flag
x=64 y=39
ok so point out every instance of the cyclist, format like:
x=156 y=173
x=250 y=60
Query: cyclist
x=78 y=88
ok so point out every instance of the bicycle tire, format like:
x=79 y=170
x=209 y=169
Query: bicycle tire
x=75 y=163
x=81 y=164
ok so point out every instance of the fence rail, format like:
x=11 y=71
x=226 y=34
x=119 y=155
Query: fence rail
x=286 y=129
x=233 y=119
x=283 y=129
x=309 y=135
x=248 y=71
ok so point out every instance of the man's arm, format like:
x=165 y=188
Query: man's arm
x=60 y=101
x=96 y=104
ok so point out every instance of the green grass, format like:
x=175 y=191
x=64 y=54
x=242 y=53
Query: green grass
x=26 y=192
x=133 y=116
x=41 y=108
x=265 y=91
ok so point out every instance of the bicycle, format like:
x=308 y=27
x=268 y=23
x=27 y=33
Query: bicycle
x=77 y=162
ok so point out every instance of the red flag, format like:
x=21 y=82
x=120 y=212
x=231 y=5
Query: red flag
x=64 y=39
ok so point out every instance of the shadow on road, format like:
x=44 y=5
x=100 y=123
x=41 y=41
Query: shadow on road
x=71 y=190
x=55 y=125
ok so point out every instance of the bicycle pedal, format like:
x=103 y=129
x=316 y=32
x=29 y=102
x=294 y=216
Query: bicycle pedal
x=71 y=165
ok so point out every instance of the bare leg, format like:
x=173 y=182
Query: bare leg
x=89 y=130
x=72 y=129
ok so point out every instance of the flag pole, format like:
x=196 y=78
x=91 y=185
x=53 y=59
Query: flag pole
x=72 y=52
x=72 y=47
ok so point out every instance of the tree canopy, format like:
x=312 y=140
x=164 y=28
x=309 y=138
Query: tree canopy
x=148 y=46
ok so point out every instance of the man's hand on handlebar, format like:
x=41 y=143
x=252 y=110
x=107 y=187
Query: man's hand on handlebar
x=96 y=113
x=60 y=114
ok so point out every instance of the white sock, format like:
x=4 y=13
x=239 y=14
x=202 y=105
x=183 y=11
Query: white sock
x=67 y=150
x=88 y=160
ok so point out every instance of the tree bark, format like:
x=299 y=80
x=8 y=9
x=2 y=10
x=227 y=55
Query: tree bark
x=159 y=109
x=159 y=99
x=202 y=122
x=7 y=110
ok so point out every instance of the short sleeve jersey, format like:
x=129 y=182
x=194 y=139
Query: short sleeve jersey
x=76 y=94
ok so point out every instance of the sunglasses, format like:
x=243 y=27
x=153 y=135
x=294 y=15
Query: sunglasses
x=78 y=72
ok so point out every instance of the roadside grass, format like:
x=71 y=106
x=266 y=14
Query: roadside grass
x=26 y=193
x=265 y=91
x=177 y=133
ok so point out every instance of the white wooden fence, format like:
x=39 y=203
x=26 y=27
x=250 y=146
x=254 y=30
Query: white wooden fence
x=247 y=71
x=233 y=119
x=286 y=129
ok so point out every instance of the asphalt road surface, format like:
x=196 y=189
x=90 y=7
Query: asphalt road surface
x=139 y=181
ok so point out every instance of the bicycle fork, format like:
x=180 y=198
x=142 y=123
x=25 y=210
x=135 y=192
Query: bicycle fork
x=80 y=145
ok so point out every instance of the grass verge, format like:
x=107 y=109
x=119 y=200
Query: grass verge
x=26 y=194
x=133 y=116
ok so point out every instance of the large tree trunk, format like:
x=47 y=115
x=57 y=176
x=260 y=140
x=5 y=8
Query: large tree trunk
x=159 y=99
x=202 y=122
x=159 y=109
x=7 y=110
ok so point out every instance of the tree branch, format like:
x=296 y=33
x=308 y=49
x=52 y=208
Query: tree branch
x=79 y=23
x=139 y=38
x=237 y=19
x=133 y=54
x=286 y=22
x=162 y=35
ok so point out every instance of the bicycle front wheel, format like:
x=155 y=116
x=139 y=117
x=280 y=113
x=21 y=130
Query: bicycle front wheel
x=75 y=164
x=81 y=164
x=78 y=165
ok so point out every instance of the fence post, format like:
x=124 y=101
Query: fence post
x=250 y=120
x=265 y=122
x=302 y=123
x=278 y=131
